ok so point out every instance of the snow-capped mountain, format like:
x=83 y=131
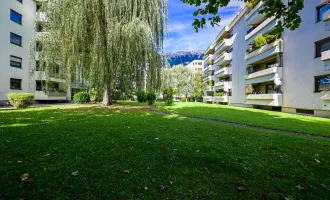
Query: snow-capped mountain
x=183 y=57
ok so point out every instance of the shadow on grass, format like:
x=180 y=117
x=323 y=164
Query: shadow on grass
x=122 y=154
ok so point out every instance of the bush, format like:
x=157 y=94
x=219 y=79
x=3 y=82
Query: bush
x=168 y=96
x=151 y=98
x=270 y=38
x=260 y=41
x=95 y=95
x=21 y=100
x=183 y=99
x=141 y=96
x=81 y=98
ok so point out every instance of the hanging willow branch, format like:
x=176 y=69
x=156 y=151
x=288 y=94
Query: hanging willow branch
x=113 y=44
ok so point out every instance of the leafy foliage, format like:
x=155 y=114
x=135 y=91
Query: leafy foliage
x=168 y=96
x=198 y=87
x=260 y=41
x=81 y=98
x=95 y=95
x=182 y=80
x=287 y=14
x=111 y=44
x=141 y=96
x=21 y=100
x=151 y=98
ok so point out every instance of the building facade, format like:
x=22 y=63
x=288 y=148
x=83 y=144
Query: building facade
x=20 y=21
x=289 y=72
x=196 y=66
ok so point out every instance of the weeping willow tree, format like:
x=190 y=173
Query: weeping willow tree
x=111 y=44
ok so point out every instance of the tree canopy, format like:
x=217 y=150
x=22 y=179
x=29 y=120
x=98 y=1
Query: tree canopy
x=111 y=44
x=287 y=13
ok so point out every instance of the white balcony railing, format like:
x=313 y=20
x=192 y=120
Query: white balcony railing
x=208 y=99
x=326 y=16
x=262 y=28
x=254 y=11
x=264 y=52
x=223 y=99
x=264 y=99
x=225 y=44
x=41 y=17
x=41 y=95
x=225 y=71
x=264 y=72
x=223 y=59
x=225 y=85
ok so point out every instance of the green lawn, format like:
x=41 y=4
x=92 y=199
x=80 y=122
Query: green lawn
x=255 y=117
x=126 y=153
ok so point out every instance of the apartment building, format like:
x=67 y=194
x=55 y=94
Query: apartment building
x=196 y=66
x=18 y=21
x=290 y=72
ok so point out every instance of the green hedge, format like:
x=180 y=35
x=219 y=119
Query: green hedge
x=21 y=100
x=81 y=98
x=141 y=96
x=151 y=98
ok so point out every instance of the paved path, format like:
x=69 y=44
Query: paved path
x=243 y=125
x=39 y=105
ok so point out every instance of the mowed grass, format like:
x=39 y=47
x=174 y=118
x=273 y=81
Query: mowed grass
x=125 y=153
x=254 y=117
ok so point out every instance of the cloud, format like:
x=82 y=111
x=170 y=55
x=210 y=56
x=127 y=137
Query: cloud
x=181 y=33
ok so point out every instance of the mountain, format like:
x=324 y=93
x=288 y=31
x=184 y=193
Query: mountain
x=183 y=57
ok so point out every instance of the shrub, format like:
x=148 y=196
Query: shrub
x=183 y=99
x=151 y=98
x=21 y=100
x=141 y=96
x=270 y=38
x=210 y=83
x=260 y=41
x=81 y=98
x=95 y=95
x=168 y=96
x=252 y=4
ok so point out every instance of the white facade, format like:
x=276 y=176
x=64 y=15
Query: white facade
x=57 y=89
x=196 y=66
x=281 y=75
x=28 y=11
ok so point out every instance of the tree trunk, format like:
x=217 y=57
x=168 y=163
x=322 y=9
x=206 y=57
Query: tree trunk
x=106 y=96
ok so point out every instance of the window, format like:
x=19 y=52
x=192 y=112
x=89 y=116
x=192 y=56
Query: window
x=322 y=83
x=15 y=61
x=15 y=17
x=270 y=89
x=15 y=84
x=322 y=45
x=271 y=64
x=38 y=46
x=321 y=10
x=15 y=39
x=21 y=1
x=38 y=86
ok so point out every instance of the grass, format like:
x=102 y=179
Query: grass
x=128 y=153
x=254 y=117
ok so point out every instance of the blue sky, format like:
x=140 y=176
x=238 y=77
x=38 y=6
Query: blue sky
x=182 y=35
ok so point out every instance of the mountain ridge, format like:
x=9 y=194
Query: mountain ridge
x=183 y=57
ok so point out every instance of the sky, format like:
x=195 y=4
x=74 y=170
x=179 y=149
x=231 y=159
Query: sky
x=181 y=35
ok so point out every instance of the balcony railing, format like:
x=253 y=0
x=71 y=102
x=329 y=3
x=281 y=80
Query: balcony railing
x=41 y=17
x=223 y=59
x=253 y=11
x=264 y=72
x=264 y=99
x=42 y=95
x=225 y=71
x=326 y=16
x=264 y=27
x=208 y=99
x=325 y=56
x=264 y=52
x=225 y=44
x=223 y=99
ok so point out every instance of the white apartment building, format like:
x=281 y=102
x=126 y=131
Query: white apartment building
x=196 y=66
x=291 y=72
x=17 y=21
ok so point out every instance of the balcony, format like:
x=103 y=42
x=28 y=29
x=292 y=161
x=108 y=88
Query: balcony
x=209 y=50
x=267 y=75
x=267 y=26
x=325 y=56
x=222 y=99
x=41 y=17
x=208 y=88
x=208 y=99
x=224 y=45
x=41 y=95
x=225 y=85
x=223 y=59
x=225 y=71
x=264 y=99
x=41 y=75
x=264 y=52
x=253 y=16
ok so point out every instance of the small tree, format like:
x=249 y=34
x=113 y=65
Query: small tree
x=260 y=41
x=168 y=96
x=249 y=89
x=151 y=98
x=198 y=87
